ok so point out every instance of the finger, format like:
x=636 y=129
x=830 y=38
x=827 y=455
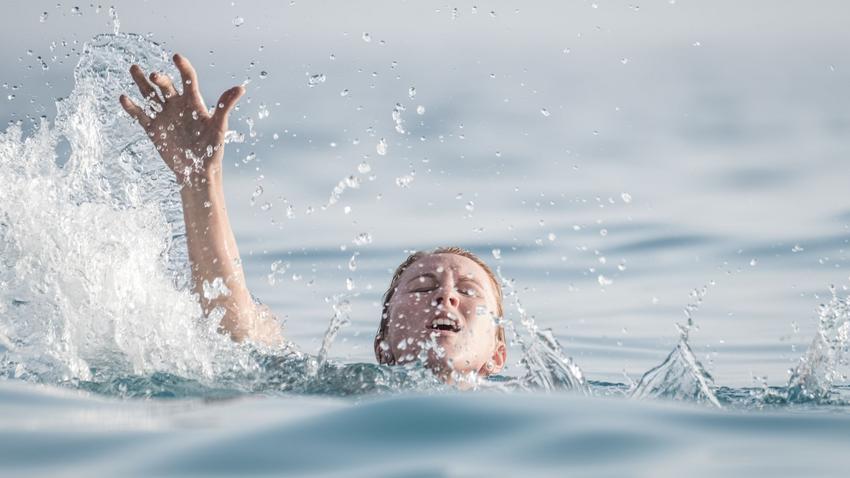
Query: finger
x=164 y=83
x=226 y=103
x=188 y=77
x=134 y=110
x=148 y=92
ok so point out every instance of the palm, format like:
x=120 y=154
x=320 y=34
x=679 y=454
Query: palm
x=186 y=135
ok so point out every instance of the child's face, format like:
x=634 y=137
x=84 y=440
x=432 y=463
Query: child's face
x=448 y=301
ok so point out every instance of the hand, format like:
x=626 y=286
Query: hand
x=188 y=138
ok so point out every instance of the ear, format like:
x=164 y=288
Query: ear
x=497 y=361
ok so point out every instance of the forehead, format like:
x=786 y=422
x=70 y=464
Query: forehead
x=459 y=266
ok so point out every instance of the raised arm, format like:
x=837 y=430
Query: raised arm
x=190 y=140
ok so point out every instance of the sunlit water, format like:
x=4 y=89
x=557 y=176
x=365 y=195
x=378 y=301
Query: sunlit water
x=95 y=313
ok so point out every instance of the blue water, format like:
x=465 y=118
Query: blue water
x=660 y=190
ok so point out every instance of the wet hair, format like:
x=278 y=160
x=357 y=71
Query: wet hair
x=384 y=356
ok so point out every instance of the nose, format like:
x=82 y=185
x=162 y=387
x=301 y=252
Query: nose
x=447 y=295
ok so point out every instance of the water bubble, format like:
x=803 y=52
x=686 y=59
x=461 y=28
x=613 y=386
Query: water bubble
x=343 y=92
x=76 y=11
x=603 y=232
x=315 y=80
x=754 y=262
x=797 y=248
x=266 y=206
x=497 y=253
x=366 y=37
x=238 y=21
x=411 y=92
x=381 y=147
x=349 y=283
x=352 y=263
x=264 y=74
x=626 y=197
x=363 y=239
x=364 y=167
x=194 y=115
x=420 y=110
x=551 y=236
x=43 y=17
x=251 y=156
x=545 y=112
x=604 y=281
x=290 y=211
x=470 y=206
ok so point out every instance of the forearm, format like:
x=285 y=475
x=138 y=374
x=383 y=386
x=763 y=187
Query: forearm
x=214 y=255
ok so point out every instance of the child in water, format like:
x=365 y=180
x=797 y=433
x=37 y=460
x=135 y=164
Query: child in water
x=441 y=306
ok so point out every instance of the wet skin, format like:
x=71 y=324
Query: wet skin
x=447 y=301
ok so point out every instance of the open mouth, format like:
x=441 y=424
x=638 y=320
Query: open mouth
x=445 y=324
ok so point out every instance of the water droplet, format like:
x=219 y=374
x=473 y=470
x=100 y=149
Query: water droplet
x=420 y=110
x=622 y=265
x=257 y=193
x=366 y=37
x=352 y=263
x=364 y=167
x=43 y=17
x=498 y=154
x=264 y=74
x=238 y=21
x=754 y=262
x=349 y=283
x=626 y=197
x=363 y=239
x=262 y=111
x=76 y=11
x=551 y=236
x=194 y=115
x=332 y=57
x=497 y=253
x=470 y=206
x=624 y=61
x=315 y=80
x=411 y=92
x=381 y=147
x=603 y=232
x=545 y=112
x=493 y=13
x=404 y=181
x=797 y=248
x=266 y=206
x=603 y=281
x=343 y=92
x=251 y=156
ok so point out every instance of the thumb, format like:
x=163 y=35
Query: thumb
x=226 y=103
